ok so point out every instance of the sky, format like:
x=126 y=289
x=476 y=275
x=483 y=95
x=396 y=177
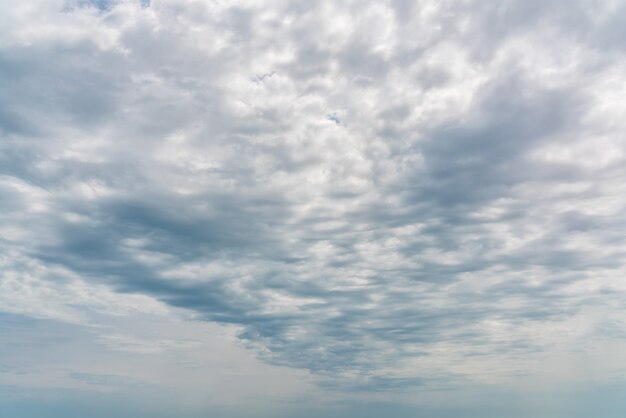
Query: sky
x=337 y=209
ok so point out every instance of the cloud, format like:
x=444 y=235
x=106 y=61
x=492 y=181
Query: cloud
x=385 y=194
x=134 y=345
x=105 y=380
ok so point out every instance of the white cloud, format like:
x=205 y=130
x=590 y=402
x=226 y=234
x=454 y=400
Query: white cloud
x=386 y=194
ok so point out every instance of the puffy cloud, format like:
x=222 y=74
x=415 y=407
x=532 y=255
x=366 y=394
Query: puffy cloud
x=387 y=194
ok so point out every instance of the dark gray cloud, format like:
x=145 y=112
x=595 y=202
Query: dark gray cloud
x=370 y=191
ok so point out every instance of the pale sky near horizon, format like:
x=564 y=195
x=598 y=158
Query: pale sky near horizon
x=232 y=209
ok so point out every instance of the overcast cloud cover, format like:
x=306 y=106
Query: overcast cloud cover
x=316 y=209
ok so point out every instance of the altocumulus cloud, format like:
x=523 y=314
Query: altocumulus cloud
x=388 y=194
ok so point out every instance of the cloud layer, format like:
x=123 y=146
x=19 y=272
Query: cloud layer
x=387 y=194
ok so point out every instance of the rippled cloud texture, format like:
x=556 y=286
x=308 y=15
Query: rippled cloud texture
x=331 y=208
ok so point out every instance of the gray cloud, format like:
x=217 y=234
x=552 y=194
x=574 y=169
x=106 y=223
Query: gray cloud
x=359 y=187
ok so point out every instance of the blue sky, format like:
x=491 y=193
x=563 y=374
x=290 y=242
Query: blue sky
x=328 y=209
